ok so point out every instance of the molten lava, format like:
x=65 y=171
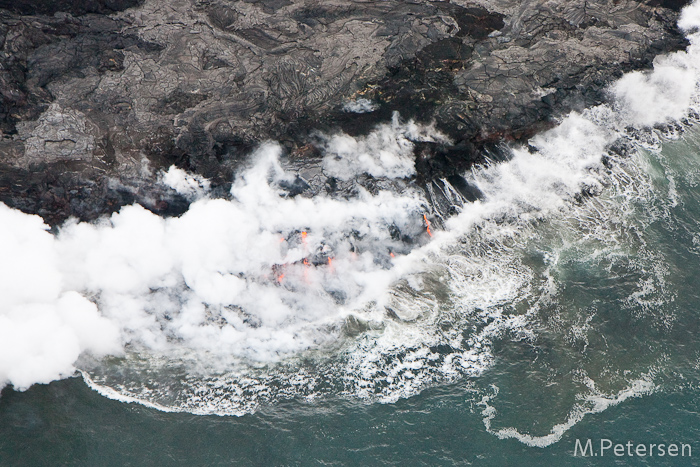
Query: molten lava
x=427 y=225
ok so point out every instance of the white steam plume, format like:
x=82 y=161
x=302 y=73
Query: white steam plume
x=360 y=106
x=664 y=94
x=385 y=152
x=253 y=277
x=191 y=186
x=43 y=327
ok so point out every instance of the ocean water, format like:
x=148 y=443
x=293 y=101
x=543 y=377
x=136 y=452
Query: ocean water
x=394 y=326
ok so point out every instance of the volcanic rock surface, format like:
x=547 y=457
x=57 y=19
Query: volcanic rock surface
x=99 y=95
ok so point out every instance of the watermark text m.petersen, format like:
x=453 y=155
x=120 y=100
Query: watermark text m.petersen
x=607 y=447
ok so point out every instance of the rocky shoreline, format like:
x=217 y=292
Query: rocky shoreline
x=99 y=95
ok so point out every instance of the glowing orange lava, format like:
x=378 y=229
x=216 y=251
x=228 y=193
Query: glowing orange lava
x=427 y=225
x=303 y=240
x=306 y=270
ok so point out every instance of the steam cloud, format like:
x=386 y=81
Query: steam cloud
x=43 y=327
x=386 y=152
x=254 y=277
x=649 y=98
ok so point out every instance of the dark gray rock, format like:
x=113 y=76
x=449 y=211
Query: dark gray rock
x=77 y=8
x=98 y=95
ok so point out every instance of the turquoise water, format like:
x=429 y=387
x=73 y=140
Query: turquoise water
x=607 y=301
